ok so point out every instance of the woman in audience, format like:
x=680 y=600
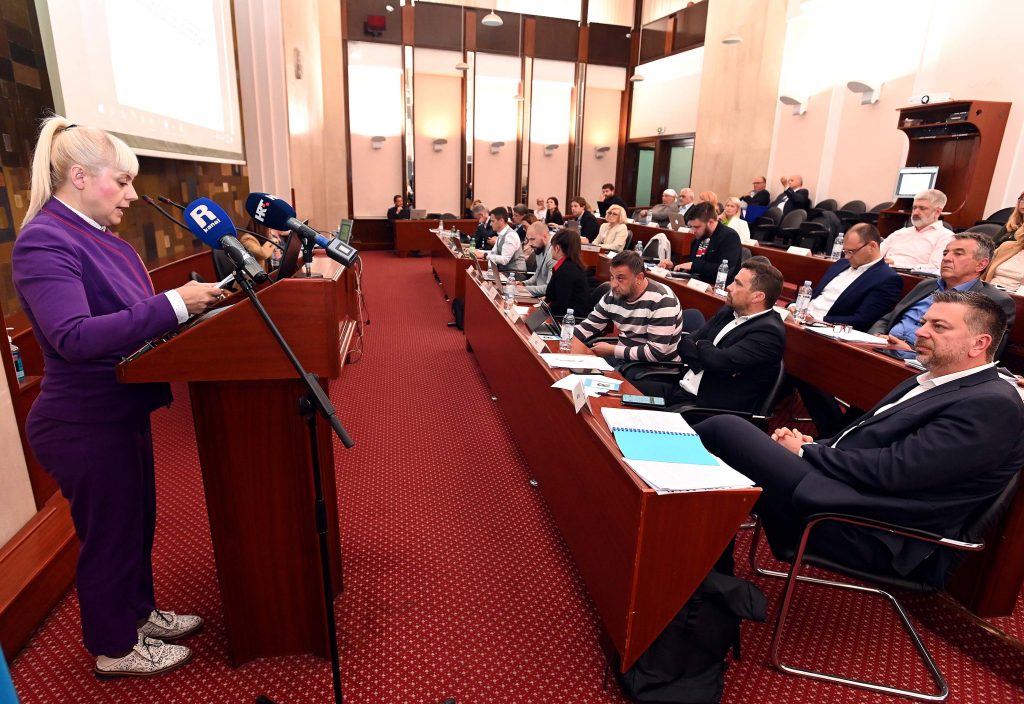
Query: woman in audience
x=709 y=197
x=1007 y=267
x=567 y=287
x=522 y=217
x=91 y=302
x=554 y=215
x=613 y=233
x=582 y=214
x=1014 y=226
x=732 y=219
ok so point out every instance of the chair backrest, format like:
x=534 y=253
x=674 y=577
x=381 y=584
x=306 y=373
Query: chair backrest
x=793 y=219
x=986 y=518
x=447 y=216
x=531 y=262
x=599 y=292
x=745 y=254
x=629 y=240
x=222 y=263
x=1001 y=215
x=775 y=214
x=880 y=207
x=854 y=206
x=827 y=204
x=989 y=229
x=693 y=320
x=767 y=405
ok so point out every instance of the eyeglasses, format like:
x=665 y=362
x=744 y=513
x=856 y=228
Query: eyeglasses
x=850 y=252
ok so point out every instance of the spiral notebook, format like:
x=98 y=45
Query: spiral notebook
x=656 y=436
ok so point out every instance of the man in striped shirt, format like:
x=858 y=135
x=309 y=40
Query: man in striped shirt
x=645 y=312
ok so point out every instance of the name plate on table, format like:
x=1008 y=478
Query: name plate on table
x=512 y=314
x=802 y=251
x=579 y=395
x=609 y=255
x=538 y=344
x=783 y=312
x=493 y=292
x=698 y=285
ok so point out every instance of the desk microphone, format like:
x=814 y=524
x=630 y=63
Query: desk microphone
x=211 y=224
x=279 y=215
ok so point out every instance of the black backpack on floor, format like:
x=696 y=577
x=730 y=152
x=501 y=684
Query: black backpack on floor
x=686 y=663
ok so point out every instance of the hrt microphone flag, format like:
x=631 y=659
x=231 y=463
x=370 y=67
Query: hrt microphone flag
x=279 y=215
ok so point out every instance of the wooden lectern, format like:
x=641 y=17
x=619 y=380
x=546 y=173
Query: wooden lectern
x=255 y=454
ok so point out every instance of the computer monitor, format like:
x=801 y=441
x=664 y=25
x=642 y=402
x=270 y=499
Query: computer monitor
x=345 y=231
x=913 y=180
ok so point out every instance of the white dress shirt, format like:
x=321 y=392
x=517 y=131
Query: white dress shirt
x=691 y=381
x=175 y=299
x=823 y=302
x=911 y=248
x=509 y=242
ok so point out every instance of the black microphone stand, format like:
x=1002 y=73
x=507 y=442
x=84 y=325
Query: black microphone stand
x=307 y=256
x=314 y=401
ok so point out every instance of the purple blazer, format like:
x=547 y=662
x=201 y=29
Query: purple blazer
x=91 y=302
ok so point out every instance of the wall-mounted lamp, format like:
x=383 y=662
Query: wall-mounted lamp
x=870 y=91
x=496 y=147
x=439 y=144
x=636 y=77
x=462 y=66
x=549 y=149
x=799 y=104
x=732 y=38
x=599 y=152
x=377 y=142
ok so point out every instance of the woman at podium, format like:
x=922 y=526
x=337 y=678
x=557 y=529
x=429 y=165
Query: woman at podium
x=90 y=301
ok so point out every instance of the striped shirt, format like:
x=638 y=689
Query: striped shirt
x=649 y=326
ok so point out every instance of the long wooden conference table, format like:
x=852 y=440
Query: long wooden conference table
x=640 y=553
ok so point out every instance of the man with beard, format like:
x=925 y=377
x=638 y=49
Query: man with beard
x=537 y=237
x=733 y=361
x=932 y=452
x=645 y=312
x=920 y=245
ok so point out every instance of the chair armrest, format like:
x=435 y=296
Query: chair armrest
x=914 y=533
x=594 y=340
x=709 y=412
x=649 y=370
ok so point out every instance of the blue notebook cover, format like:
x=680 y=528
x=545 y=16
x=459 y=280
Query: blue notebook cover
x=662 y=446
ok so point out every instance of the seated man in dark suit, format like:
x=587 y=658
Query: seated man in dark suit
x=399 y=211
x=713 y=243
x=795 y=197
x=485 y=235
x=760 y=195
x=964 y=259
x=608 y=199
x=734 y=359
x=860 y=288
x=937 y=448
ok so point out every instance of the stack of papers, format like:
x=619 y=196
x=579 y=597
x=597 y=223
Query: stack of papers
x=852 y=336
x=576 y=361
x=666 y=453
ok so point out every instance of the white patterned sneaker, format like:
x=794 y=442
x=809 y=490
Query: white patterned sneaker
x=167 y=625
x=149 y=657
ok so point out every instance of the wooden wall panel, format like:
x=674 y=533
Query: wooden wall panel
x=356 y=13
x=608 y=45
x=499 y=40
x=556 y=39
x=735 y=125
x=438 y=26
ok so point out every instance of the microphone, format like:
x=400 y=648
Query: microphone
x=279 y=215
x=179 y=206
x=211 y=224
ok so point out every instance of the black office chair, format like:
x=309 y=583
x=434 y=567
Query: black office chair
x=827 y=204
x=989 y=229
x=871 y=217
x=599 y=292
x=693 y=320
x=850 y=213
x=817 y=232
x=766 y=227
x=997 y=218
x=745 y=254
x=789 y=228
x=629 y=241
x=971 y=539
x=447 y=216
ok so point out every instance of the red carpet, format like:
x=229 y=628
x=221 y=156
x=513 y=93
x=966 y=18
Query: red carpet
x=457 y=582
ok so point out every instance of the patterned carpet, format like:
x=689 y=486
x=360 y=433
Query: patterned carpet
x=457 y=582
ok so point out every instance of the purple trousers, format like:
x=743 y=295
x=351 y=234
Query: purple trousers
x=105 y=471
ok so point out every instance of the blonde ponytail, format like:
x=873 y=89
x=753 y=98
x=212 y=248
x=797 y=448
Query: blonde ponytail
x=61 y=145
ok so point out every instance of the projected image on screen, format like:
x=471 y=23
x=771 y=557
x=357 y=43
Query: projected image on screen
x=159 y=74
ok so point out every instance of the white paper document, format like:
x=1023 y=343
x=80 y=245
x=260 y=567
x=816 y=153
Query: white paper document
x=851 y=336
x=673 y=476
x=576 y=361
x=593 y=384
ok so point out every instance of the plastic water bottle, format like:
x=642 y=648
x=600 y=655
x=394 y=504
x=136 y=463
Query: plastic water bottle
x=722 y=277
x=803 y=302
x=639 y=248
x=19 y=366
x=837 y=248
x=510 y=290
x=568 y=327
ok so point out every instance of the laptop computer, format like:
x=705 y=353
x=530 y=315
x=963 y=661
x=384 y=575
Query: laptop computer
x=417 y=213
x=542 y=322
